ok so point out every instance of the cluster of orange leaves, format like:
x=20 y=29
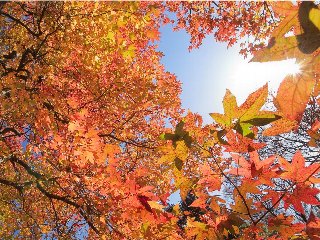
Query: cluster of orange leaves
x=85 y=103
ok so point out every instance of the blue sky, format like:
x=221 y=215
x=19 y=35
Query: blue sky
x=206 y=72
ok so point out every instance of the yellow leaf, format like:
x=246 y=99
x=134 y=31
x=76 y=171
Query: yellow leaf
x=184 y=184
x=145 y=226
x=73 y=126
x=247 y=115
x=251 y=107
x=314 y=16
x=240 y=206
x=230 y=110
x=168 y=154
x=196 y=224
x=111 y=36
x=155 y=205
x=181 y=150
x=130 y=52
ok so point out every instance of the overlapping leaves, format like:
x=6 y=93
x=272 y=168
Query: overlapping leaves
x=249 y=114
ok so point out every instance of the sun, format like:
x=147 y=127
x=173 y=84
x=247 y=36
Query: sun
x=247 y=77
x=291 y=67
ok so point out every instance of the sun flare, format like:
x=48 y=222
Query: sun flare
x=292 y=67
x=247 y=77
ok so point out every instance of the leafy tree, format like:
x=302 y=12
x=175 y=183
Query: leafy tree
x=84 y=106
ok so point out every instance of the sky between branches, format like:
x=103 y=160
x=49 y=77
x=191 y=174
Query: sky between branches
x=206 y=72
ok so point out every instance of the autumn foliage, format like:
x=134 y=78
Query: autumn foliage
x=86 y=151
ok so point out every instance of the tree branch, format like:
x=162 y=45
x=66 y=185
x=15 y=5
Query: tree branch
x=64 y=199
x=11 y=184
x=232 y=183
x=20 y=22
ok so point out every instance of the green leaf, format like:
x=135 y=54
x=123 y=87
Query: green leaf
x=162 y=136
x=246 y=130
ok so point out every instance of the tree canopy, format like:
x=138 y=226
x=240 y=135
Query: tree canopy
x=85 y=108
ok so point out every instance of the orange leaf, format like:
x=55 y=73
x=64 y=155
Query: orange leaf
x=293 y=95
x=313 y=227
x=153 y=34
x=238 y=143
x=280 y=126
x=296 y=170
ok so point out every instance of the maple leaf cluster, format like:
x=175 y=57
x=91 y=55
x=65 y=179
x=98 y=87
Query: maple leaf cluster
x=85 y=105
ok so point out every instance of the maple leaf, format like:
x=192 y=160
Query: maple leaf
x=153 y=34
x=177 y=155
x=230 y=108
x=254 y=167
x=247 y=115
x=83 y=84
x=284 y=226
x=185 y=185
x=179 y=134
x=302 y=178
x=293 y=95
x=313 y=227
x=228 y=224
x=240 y=144
x=299 y=46
x=301 y=193
x=240 y=206
x=197 y=230
x=295 y=90
x=280 y=126
x=210 y=180
x=297 y=170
